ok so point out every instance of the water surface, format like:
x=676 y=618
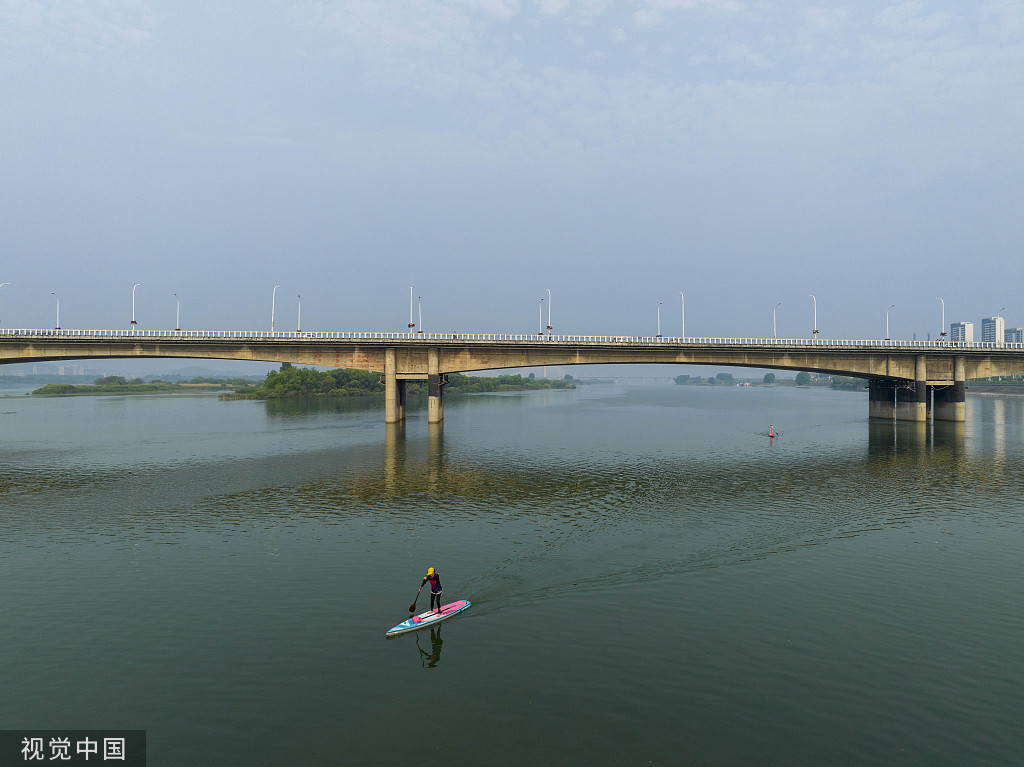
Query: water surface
x=653 y=580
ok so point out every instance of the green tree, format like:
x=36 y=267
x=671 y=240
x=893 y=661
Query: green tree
x=845 y=383
x=680 y=380
x=769 y=378
x=803 y=378
x=725 y=378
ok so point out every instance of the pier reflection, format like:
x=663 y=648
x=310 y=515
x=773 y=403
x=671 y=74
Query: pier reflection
x=398 y=465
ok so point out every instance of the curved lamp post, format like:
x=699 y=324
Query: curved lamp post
x=540 y=318
x=814 y=330
x=549 y=310
x=887 y=321
x=942 y=327
x=273 y=299
x=682 y=307
x=411 y=323
x=133 y=303
x=4 y=283
x=419 y=306
x=177 y=313
x=775 y=333
x=58 y=309
x=659 y=320
x=298 y=324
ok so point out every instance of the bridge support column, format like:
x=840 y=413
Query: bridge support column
x=882 y=399
x=951 y=401
x=394 y=390
x=435 y=396
x=912 y=401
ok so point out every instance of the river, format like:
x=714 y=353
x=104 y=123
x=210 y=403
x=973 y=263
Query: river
x=653 y=580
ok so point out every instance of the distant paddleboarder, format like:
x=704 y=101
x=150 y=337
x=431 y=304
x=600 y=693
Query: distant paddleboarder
x=771 y=432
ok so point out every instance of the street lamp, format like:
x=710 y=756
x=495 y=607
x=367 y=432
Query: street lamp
x=887 y=321
x=814 y=331
x=549 y=310
x=273 y=300
x=4 y=283
x=419 y=306
x=133 y=303
x=659 y=320
x=177 y=312
x=775 y=333
x=540 y=318
x=411 y=323
x=682 y=307
x=58 y=309
x=942 y=327
x=298 y=324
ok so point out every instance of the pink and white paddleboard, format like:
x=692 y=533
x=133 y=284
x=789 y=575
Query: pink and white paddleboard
x=421 y=621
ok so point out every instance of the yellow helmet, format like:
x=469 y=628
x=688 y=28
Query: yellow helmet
x=430 y=571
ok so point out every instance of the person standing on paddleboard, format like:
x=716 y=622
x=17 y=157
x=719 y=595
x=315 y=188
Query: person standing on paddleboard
x=435 y=587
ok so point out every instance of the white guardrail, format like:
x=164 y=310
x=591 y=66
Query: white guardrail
x=259 y=335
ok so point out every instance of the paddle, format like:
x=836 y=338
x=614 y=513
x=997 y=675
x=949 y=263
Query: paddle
x=412 y=607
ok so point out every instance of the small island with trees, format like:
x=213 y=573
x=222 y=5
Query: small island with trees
x=294 y=382
x=107 y=385
x=298 y=382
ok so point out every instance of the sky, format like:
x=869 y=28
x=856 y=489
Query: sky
x=749 y=154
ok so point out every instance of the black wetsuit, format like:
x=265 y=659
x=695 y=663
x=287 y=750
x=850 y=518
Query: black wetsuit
x=435 y=589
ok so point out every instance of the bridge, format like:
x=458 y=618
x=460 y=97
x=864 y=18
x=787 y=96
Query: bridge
x=907 y=380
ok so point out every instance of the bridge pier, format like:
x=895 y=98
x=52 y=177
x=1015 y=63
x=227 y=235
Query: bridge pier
x=435 y=394
x=882 y=399
x=912 y=401
x=951 y=401
x=394 y=389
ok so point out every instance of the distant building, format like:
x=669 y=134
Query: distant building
x=1014 y=336
x=993 y=330
x=962 y=332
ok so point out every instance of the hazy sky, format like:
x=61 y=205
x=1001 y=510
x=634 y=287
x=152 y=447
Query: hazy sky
x=484 y=151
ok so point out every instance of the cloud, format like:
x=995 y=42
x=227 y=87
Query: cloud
x=499 y=9
x=653 y=11
x=913 y=19
x=382 y=27
x=74 y=30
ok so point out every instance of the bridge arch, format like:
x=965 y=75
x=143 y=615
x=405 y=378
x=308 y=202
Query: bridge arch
x=891 y=367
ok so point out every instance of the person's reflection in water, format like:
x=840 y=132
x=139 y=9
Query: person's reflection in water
x=432 y=658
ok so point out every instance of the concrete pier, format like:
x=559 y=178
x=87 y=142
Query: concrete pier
x=951 y=401
x=882 y=399
x=435 y=395
x=394 y=389
x=912 y=398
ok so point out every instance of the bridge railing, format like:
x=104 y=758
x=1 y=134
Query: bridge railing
x=260 y=335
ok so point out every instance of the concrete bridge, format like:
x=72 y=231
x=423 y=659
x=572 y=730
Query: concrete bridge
x=908 y=380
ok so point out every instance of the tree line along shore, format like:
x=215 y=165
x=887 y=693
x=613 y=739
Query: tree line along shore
x=296 y=382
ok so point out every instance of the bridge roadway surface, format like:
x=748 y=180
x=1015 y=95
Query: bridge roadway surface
x=905 y=377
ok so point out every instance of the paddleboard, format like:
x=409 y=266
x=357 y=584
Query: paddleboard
x=421 y=621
